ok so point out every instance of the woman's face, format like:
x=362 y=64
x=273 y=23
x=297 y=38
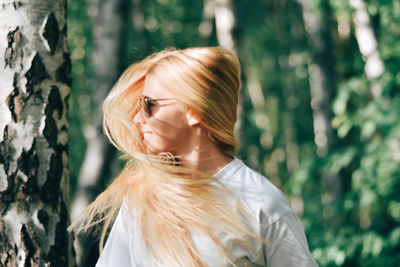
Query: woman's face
x=164 y=126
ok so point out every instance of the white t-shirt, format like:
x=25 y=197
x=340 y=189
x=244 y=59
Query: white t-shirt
x=275 y=222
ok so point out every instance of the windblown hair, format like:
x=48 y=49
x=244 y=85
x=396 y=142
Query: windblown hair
x=167 y=200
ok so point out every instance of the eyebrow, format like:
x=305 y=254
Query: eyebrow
x=156 y=99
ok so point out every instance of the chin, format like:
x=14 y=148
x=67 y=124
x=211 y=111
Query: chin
x=153 y=151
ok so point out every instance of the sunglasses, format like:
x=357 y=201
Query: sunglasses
x=146 y=103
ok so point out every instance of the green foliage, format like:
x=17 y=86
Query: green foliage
x=366 y=232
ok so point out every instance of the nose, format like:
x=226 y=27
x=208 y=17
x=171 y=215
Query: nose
x=138 y=118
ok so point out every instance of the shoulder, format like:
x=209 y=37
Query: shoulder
x=255 y=190
x=279 y=225
x=116 y=251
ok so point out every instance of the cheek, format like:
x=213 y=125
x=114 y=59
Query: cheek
x=169 y=125
x=169 y=134
x=173 y=141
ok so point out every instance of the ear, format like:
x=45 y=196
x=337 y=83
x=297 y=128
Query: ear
x=192 y=118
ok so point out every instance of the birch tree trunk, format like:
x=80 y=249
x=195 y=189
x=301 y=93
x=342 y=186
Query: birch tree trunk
x=35 y=85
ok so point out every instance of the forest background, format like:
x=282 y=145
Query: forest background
x=319 y=111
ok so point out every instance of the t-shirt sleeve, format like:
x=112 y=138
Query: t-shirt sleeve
x=116 y=252
x=286 y=243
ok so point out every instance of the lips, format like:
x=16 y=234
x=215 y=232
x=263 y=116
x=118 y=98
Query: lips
x=146 y=135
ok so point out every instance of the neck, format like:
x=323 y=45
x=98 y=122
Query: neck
x=209 y=164
x=205 y=155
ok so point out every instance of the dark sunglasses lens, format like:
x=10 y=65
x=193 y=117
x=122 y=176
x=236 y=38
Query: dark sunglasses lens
x=145 y=105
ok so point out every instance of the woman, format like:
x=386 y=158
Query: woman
x=183 y=199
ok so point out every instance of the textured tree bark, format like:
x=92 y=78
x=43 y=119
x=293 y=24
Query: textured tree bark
x=35 y=85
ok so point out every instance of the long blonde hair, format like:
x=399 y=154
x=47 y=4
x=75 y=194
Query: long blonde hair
x=168 y=200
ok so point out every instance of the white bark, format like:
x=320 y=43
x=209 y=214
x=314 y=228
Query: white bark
x=225 y=23
x=34 y=89
x=368 y=45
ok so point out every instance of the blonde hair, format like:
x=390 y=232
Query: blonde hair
x=206 y=80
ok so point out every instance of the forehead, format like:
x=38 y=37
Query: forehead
x=153 y=89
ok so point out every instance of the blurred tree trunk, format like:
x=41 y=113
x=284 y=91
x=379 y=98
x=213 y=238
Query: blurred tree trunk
x=206 y=26
x=221 y=12
x=320 y=71
x=225 y=23
x=368 y=45
x=99 y=160
x=34 y=178
x=288 y=98
x=321 y=77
